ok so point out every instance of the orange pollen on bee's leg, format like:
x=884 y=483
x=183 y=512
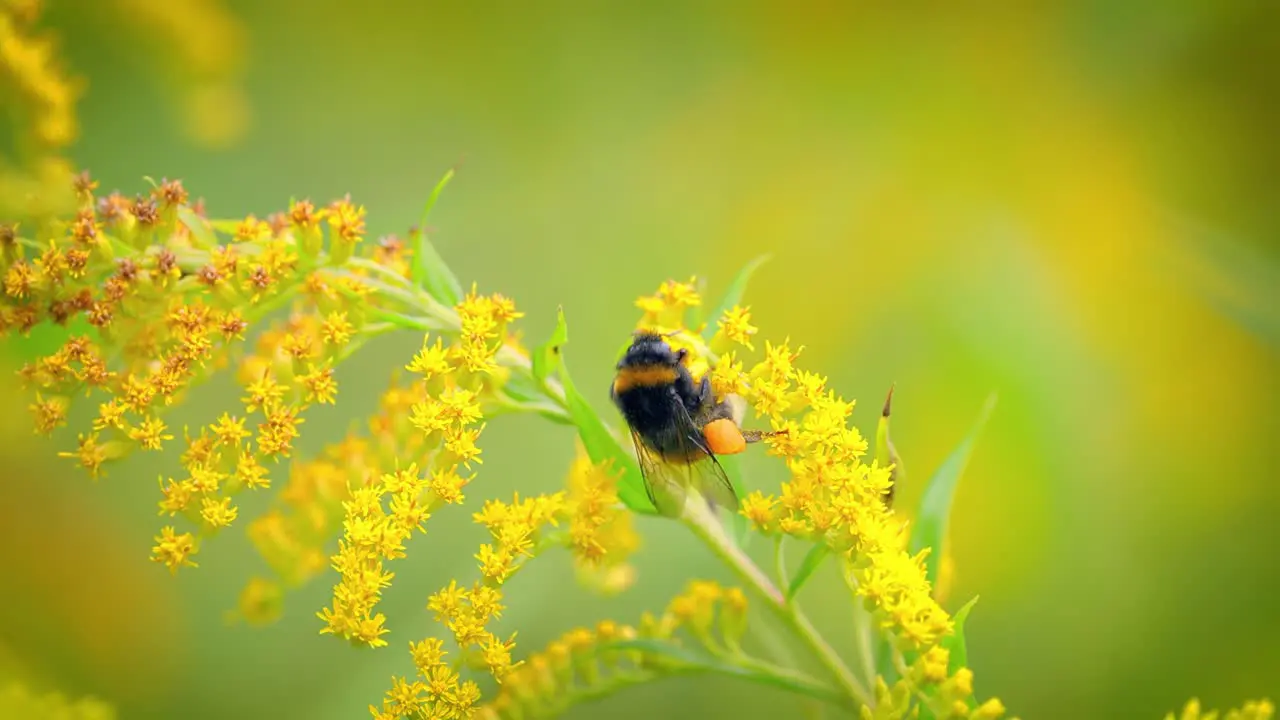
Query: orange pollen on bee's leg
x=724 y=437
x=643 y=376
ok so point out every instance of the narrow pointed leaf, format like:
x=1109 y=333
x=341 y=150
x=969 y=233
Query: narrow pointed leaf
x=429 y=270
x=930 y=527
x=546 y=358
x=884 y=659
x=602 y=446
x=954 y=643
x=812 y=561
x=886 y=454
x=737 y=290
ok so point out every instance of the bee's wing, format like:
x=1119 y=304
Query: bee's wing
x=667 y=482
x=661 y=483
x=706 y=473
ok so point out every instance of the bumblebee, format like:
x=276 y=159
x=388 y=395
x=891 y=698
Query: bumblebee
x=677 y=425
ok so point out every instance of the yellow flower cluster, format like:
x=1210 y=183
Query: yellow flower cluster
x=43 y=97
x=1253 y=710
x=308 y=511
x=157 y=299
x=948 y=695
x=581 y=661
x=831 y=496
x=665 y=309
x=446 y=416
x=373 y=533
x=602 y=538
x=598 y=532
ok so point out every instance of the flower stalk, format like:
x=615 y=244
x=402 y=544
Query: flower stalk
x=707 y=528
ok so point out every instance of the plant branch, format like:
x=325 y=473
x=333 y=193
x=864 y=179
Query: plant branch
x=708 y=529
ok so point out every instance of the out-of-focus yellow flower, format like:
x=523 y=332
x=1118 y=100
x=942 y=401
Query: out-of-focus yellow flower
x=202 y=47
x=1252 y=710
x=19 y=701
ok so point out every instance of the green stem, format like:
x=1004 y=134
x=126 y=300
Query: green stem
x=708 y=529
x=863 y=627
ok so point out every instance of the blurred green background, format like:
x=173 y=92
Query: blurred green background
x=1071 y=204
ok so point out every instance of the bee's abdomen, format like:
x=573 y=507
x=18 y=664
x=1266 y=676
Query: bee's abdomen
x=650 y=410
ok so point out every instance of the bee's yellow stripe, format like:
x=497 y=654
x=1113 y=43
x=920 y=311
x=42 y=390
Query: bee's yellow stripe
x=643 y=376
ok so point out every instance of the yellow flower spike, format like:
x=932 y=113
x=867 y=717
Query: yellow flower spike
x=217 y=513
x=992 y=709
x=320 y=385
x=497 y=656
x=432 y=360
x=50 y=414
x=1252 y=710
x=735 y=325
x=759 y=509
x=933 y=666
x=174 y=549
x=666 y=308
x=727 y=376
x=92 y=455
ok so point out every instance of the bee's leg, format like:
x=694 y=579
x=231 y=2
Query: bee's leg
x=704 y=391
x=752 y=436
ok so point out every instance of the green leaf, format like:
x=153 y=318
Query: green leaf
x=522 y=388
x=546 y=358
x=693 y=316
x=737 y=289
x=429 y=269
x=746 y=669
x=602 y=446
x=886 y=454
x=200 y=228
x=812 y=561
x=930 y=527
x=223 y=226
x=884 y=659
x=954 y=643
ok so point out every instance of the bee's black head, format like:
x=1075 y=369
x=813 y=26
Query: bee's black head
x=650 y=348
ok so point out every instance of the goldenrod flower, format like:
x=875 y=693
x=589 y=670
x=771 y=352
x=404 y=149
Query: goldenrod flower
x=174 y=549
x=735 y=326
x=1252 y=710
